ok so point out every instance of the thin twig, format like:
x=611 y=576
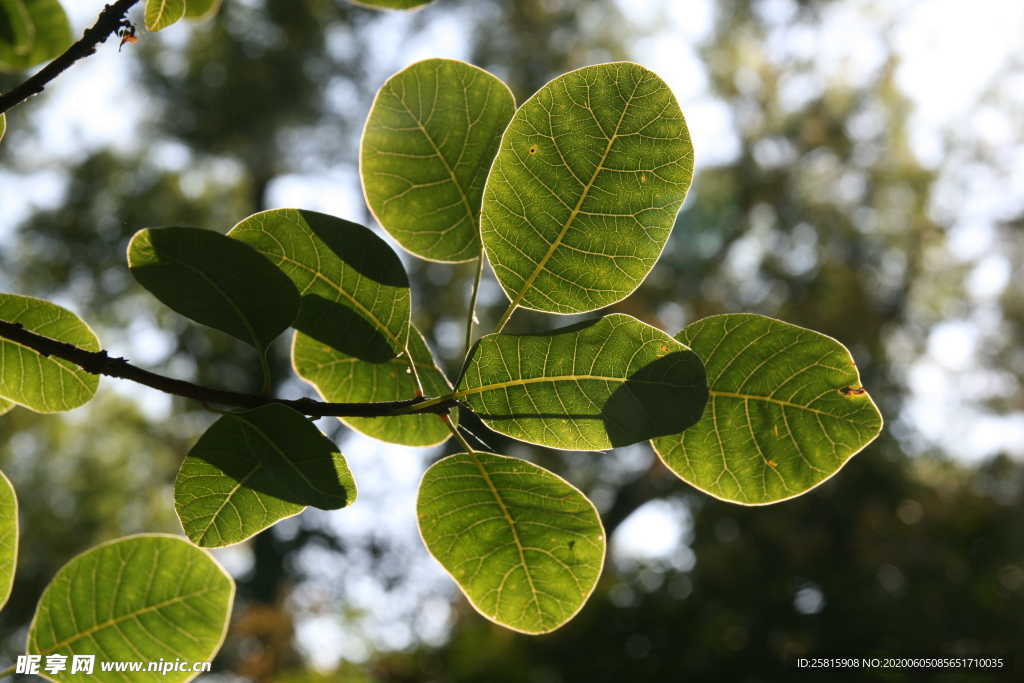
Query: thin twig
x=506 y=316
x=471 y=319
x=100 y=363
x=106 y=25
x=455 y=432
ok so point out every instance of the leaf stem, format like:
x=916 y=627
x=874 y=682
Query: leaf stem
x=455 y=431
x=106 y=25
x=8 y=671
x=414 y=371
x=505 y=317
x=265 y=369
x=430 y=405
x=100 y=363
x=472 y=305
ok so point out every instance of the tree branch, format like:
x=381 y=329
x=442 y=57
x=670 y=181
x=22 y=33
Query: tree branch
x=100 y=363
x=106 y=25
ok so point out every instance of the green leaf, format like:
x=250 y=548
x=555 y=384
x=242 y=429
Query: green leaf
x=44 y=384
x=391 y=4
x=345 y=379
x=355 y=304
x=786 y=411
x=429 y=141
x=524 y=545
x=17 y=33
x=3 y=125
x=5 y=406
x=607 y=382
x=252 y=469
x=355 y=293
x=8 y=538
x=141 y=598
x=201 y=9
x=585 y=188
x=49 y=36
x=162 y=13
x=215 y=280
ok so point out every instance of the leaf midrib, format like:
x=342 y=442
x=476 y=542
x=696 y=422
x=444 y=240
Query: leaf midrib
x=348 y=297
x=576 y=210
x=444 y=162
x=116 y=621
x=213 y=283
x=776 y=401
x=281 y=454
x=158 y=15
x=515 y=537
x=227 y=498
x=560 y=378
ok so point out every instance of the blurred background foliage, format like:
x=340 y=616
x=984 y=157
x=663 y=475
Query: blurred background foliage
x=815 y=206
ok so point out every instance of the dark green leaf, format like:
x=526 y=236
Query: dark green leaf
x=429 y=141
x=44 y=384
x=786 y=411
x=525 y=546
x=607 y=382
x=162 y=13
x=345 y=379
x=252 y=469
x=216 y=281
x=141 y=598
x=355 y=293
x=354 y=318
x=585 y=188
x=50 y=33
x=8 y=537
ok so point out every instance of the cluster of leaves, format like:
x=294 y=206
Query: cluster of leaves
x=571 y=197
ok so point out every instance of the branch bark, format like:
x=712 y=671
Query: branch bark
x=106 y=25
x=101 y=363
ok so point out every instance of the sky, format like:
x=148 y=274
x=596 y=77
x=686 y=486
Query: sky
x=949 y=58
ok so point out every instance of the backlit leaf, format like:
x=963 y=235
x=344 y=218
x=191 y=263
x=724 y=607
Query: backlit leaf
x=201 y=9
x=50 y=33
x=252 y=469
x=5 y=406
x=345 y=379
x=355 y=293
x=44 y=384
x=8 y=538
x=162 y=13
x=141 y=598
x=607 y=382
x=786 y=411
x=585 y=188
x=216 y=281
x=429 y=141
x=354 y=317
x=391 y=4
x=525 y=546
